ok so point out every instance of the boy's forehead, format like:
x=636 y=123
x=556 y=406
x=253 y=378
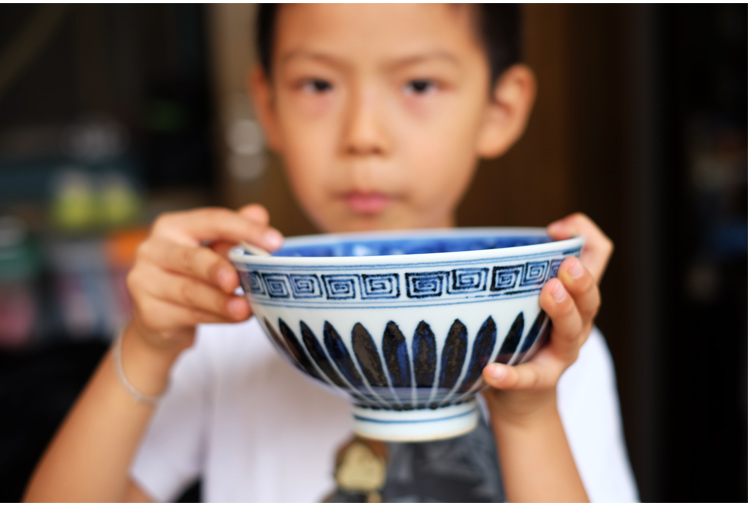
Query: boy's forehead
x=380 y=30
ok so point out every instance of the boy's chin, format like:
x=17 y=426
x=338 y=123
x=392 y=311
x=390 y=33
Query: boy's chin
x=361 y=224
x=379 y=222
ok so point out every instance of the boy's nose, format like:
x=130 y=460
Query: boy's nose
x=365 y=132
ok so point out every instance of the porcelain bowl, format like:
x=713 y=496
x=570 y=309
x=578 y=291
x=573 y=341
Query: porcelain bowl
x=404 y=322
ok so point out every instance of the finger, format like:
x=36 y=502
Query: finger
x=524 y=376
x=581 y=286
x=195 y=294
x=598 y=247
x=566 y=320
x=193 y=261
x=256 y=213
x=160 y=315
x=212 y=224
x=577 y=224
x=222 y=248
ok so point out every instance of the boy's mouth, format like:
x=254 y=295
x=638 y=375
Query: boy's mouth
x=367 y=203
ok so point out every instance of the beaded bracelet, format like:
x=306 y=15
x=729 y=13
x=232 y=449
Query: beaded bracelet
x=137 y=396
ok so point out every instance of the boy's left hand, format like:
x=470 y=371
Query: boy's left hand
x=571 y=300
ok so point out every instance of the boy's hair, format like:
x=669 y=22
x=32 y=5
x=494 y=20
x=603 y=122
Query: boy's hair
x=497 y=25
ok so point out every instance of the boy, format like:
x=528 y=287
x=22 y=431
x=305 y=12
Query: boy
x=380 y=113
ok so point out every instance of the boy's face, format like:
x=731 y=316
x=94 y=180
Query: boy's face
x=378 y=111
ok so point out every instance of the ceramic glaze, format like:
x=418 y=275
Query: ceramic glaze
x=404 y=322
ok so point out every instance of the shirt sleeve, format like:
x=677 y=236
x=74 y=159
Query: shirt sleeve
x=171 y=452
x=590 y=411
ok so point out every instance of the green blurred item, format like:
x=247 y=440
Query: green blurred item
x=80 y=203
x=74 y=202
x=119 y=202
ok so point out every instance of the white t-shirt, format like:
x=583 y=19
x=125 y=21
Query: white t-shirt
x=254 y=429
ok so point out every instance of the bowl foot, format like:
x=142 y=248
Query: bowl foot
x=416 y=425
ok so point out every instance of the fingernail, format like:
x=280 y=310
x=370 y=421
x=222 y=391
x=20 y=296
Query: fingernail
x=558 y=292
x=576 y=270
x=555 y=227
x=273 y=238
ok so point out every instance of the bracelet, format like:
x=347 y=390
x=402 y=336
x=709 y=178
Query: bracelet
x=137 y=396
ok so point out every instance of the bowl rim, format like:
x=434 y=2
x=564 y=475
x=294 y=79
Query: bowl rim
x=239 y=255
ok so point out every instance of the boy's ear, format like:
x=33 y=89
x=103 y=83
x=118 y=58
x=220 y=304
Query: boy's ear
x=507 y=112
x=261 y=94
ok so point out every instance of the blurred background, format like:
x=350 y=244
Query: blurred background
x=113 y=114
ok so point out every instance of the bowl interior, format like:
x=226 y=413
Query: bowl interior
x=404 y=243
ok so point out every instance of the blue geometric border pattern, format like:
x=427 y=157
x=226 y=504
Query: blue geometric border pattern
x=341 y=287
x=505 y=277
x=372 y=286
x=381 y=286
x=425 y=284
x=305 y=285
x=468 y=280
x=252 y=282
x=277 y=285
x=534 y=273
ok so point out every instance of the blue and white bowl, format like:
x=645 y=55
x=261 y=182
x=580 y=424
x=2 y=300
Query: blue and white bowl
x=404 y=322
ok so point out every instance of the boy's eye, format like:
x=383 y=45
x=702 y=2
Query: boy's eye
x=316 y=86
x=419 y=87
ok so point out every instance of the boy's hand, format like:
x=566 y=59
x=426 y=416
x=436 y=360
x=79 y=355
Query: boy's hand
x=571 y=300
x=177 y=282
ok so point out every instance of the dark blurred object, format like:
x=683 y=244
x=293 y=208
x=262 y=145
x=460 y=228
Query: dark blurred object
x=704 y=74
x=36 y=390
x=20 y=265
x=659 y=149
x=142 y=67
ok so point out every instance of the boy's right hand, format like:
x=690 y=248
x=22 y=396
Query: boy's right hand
x=178 y=282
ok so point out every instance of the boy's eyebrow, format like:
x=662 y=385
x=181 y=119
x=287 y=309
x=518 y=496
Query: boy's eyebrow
x=307 y=54
x=393 y=64
x=425 y=56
